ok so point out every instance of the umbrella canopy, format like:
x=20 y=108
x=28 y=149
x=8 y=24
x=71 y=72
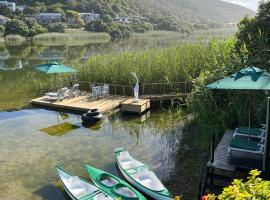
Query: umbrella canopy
x=55 y=68
x=250 y=78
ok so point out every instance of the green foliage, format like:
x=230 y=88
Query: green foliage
x=57 y=27
x=4 y=10
x=96 y=26
x=2 y=30
x=16 y=26
x=254 y=188
x=253 y=37
x=34 y=27
x=141 y=27
x=167 y=24
x=29 y=10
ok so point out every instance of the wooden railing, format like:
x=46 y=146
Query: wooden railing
x=166 y=88
x=145 y=88
x=115 y=89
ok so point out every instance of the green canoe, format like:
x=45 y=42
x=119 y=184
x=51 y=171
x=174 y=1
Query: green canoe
x=78 y=188
x=112 y=185
x=140 y=176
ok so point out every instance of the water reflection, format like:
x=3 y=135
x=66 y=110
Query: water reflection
x=26 y=147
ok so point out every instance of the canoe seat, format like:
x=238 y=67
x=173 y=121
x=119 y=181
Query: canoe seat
x=127 y=162
x=78 y=188
x=149 y=180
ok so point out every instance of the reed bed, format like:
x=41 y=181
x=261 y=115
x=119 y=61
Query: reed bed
x=181 y=62
x=14 y=39
x=71 y=38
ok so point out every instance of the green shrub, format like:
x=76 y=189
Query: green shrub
x=96 y=26
x=2 y=30
x=57 y=27
x=254 y=188
x=16 y=26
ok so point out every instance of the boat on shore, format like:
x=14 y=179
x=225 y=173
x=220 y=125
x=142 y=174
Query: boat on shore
x=112 y=185
x=78 y=188
x=140 y=176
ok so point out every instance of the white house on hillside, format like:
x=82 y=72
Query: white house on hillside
x=47 y=18
x=88 y=17
x=10 y=5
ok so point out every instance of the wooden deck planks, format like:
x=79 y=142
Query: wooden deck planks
x=82 y=103
x=237 y=160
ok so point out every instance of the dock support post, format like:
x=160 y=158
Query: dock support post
x=265 y=166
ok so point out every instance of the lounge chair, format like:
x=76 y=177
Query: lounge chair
x=59 y=95
x=242 y=145
x=258 y=133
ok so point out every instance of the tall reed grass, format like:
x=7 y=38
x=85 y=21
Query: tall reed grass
x=14 y=39
x=71 y=38
x=184 y=61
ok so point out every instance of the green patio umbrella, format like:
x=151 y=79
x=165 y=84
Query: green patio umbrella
x=55 y=68
x=250 y=78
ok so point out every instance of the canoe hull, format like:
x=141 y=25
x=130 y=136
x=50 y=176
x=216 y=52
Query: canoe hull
x=150 y=193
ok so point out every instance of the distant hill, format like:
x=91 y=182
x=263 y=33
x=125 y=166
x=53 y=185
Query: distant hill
x=200 y=10
x=190 y=11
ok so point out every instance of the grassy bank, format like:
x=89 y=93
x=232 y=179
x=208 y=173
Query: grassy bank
x=71 y=38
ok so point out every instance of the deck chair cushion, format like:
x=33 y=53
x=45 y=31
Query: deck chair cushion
x=245 y=144
x=245 y=130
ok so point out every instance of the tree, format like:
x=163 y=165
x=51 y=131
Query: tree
x=106 y=18
x=34 y=27
x=57 y=27
x=4 y=10
x=96 y=26
x=253 y=37
x=2 y=30
x=31 y=10
x=16 y=26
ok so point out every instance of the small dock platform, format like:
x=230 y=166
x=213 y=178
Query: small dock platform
x=238 y=160
x=82 y=103
x=138 y=108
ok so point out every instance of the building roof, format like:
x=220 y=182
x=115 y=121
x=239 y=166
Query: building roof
x=51 y=14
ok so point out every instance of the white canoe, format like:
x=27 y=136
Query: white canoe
x=78 y=188
x=140 y=176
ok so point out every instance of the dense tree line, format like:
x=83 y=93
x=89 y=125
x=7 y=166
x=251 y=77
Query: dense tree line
x=253 y=37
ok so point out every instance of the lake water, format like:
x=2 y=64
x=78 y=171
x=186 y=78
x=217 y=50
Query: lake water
x=29 y=155
x=33 y=141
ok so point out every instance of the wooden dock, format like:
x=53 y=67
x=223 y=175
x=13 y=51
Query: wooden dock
x=238 y=160
x=82 y=103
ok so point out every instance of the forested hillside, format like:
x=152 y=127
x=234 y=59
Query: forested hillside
x=191 y=11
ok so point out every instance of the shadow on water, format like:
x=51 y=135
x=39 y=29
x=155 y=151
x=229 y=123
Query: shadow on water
x=55 y=192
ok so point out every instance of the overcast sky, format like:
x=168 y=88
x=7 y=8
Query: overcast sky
x=251 y=4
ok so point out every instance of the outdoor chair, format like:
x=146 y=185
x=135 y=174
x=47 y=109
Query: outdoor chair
x=249 y=146
x=243 y=131
x=59 y=95
x=96 y=91
x=105 y=90
x=75 y=92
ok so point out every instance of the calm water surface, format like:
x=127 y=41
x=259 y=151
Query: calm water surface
x=30 y=146
x=29 y=155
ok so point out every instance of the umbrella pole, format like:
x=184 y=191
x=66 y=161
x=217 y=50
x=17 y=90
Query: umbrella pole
x=249 y=114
